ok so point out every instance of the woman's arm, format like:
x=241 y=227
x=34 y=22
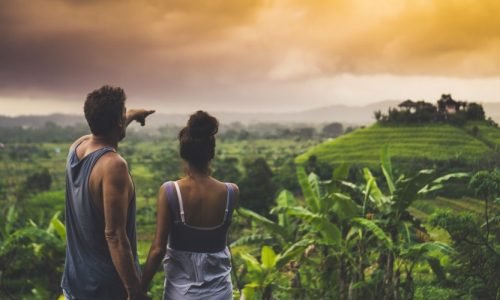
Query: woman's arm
x=159 y=245
x=236 y=195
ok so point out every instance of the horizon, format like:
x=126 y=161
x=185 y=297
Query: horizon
x=247 y=56
x=281 y=112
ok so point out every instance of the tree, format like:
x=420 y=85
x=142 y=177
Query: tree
x=304 y=132
x=226 y=169
x=475 y=112
x=285 y=176
x=259 y=188
x=332 y=130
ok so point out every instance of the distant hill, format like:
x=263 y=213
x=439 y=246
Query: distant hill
x=38 y=121
x=350 y=115
x=492 y=110
x=433 y=141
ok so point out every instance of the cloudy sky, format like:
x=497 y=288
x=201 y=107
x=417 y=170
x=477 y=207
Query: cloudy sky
x=246 y=55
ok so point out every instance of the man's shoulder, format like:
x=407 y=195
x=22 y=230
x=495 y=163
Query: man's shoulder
x=112 y=161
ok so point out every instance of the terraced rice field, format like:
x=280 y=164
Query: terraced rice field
x=435 y=142
x=489 y=134
x=422 y=209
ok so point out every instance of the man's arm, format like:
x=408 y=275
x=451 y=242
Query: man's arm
x=159 y=245
x=138 y=115
x=115 y=188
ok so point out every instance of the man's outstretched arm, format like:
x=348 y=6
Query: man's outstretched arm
x=116 y=198
x=138 y=115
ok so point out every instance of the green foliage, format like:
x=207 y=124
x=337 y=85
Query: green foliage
x=285 y=175
x=375 y=229
x=259 y=189
x=262 y=276
x=476 y=240
x=11 y=218
x=342 y=240
x=486 y=184
x=38 y=181
x=40 y=206
x=226 y=169
x=274 y=228
x=319 y=242
x=32 y=259
x=438 y=142
x=429 y=291
x=311 y=196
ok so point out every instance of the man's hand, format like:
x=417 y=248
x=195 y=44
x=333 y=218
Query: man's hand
x=138 y=115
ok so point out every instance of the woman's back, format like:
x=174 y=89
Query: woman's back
x=198 y=264
x=199 y=222
x=204 y=201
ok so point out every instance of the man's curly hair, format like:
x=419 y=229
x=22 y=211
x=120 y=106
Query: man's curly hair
x=104 y=109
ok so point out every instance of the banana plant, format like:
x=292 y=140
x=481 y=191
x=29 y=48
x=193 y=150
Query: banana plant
x=281 y=231
x=391 y=211
x=263 y=274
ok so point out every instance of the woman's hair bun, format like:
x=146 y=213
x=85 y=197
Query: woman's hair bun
x=202 y=125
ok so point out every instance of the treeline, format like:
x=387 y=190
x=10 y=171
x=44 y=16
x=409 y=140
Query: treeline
x=54 y=133
x=446 y=110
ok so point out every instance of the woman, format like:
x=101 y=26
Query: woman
x=194 y=214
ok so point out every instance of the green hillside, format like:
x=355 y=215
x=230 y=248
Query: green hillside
x=488 y=134
x=431 y=141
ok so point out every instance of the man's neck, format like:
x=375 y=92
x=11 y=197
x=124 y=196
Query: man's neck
x=105 y=141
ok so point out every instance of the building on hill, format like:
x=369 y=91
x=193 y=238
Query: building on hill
x=448 y=106
x=446 y=110
x=408 y=105
x=425 y=106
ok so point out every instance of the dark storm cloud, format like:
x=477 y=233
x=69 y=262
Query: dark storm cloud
x=67 y=47
x=219 y=50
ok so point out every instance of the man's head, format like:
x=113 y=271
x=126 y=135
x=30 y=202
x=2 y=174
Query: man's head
x=105 y=111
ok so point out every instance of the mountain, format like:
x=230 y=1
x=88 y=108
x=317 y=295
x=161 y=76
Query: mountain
x=335 y=113
x=492 y=110
x=39 y=121
x=351 y=115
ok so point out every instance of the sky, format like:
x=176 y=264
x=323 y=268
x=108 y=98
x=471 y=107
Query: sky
x=246 y=55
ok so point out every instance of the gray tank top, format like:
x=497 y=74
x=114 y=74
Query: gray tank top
x=89 y=272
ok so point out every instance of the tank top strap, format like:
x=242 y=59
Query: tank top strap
x=172 y=202
x=105 y=150
x=229 y=203
x=179 y=200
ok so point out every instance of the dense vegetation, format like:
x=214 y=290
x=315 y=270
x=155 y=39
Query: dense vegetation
x=350 y=224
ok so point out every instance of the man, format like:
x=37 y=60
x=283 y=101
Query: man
x=101 y=251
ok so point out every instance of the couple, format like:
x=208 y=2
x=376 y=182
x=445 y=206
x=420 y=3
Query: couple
x=193 y=213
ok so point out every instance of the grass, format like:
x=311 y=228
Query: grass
x=432 y=141
x=489 y=134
